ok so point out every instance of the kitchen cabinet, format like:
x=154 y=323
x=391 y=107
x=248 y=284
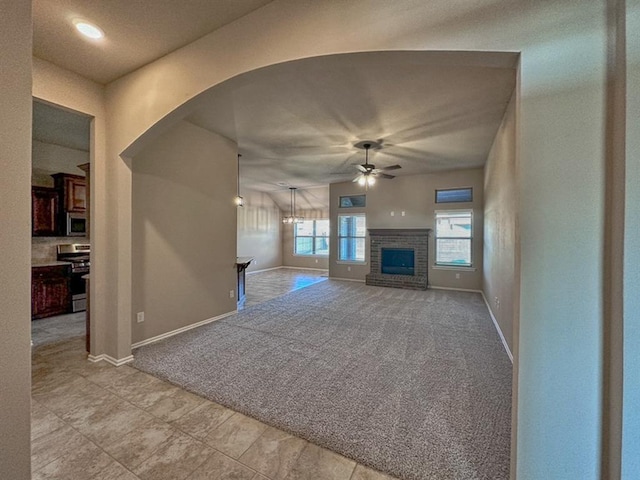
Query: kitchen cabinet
x=44 y=211
x=50 y=290
x=73 y=191
x=86 y=167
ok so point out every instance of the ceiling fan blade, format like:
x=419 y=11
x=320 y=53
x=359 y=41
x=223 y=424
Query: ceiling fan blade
x=391 y=167
x=384 y=175
x=356 y=179
x=361 y=168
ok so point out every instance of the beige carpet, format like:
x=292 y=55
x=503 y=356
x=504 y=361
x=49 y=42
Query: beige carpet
x=412 y=383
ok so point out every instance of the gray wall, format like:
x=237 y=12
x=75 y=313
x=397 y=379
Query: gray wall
x=15 y=240
x=561 y=212
x=500 y=224
x=302 y=261
x=260 y=231
x=631 y=405
x=415 y=195
x=184 y=230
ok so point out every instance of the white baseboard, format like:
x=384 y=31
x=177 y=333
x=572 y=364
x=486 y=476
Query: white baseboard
x=263 y=270
x=182 y=329
x=109 y=359
x=495 y=322
x=433 y=287
x=493 y=318
x=346 y=279
x=306 y=268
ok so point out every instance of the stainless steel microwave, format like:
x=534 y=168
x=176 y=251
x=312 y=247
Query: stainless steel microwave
x=76 y=225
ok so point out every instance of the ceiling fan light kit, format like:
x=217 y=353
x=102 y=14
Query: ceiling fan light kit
x=292 y=217
x=368 y=171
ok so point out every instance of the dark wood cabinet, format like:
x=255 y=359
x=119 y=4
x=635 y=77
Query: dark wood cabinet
x=73 y=190
x=44 y=211
x=50 y=291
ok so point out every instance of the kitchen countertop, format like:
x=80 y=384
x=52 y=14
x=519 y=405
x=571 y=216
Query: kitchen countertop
x=44 y=263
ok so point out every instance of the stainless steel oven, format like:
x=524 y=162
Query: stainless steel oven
x=78 y=254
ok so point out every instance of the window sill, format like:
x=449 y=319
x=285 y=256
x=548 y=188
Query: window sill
x=310 y=255
x=453 y=267
x=346 y=262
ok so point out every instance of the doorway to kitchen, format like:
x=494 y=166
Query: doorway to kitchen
x=60 y=245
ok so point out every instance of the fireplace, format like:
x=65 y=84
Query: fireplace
x=397 y=261
x=399 y=258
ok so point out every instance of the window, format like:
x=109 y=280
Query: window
x=454 y=195
x=453 y=237
x=351 y=201
x=311 y=237
x=352 y=230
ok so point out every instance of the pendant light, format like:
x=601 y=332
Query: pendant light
x=239 y=201
x=292 y=218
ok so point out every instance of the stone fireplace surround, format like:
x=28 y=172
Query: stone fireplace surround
x=416 y=238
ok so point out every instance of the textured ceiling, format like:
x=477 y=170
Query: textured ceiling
x=296 y=123
x=136 y=31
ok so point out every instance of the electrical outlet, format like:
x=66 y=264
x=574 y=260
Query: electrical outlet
x=316 y=260
x=403 y=213
x=348 y=269
x=393 y=214
x=458 y=276
x=140 y=317
x=231 y=293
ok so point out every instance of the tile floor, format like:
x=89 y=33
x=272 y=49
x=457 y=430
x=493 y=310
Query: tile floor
x=263 y=286
x=99 y=422
x=55 y=329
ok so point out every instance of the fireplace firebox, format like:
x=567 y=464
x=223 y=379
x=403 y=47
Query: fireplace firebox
x=398 y=261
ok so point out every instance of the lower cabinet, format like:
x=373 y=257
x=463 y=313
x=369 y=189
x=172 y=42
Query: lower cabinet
x=50 y=291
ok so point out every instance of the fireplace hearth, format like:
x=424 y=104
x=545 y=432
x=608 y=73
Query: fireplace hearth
x=399 y=258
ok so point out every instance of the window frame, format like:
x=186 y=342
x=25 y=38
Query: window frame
x=438 y=190
x=363 y=196
x=355 y=237
x=313 y=237
x=452 y=212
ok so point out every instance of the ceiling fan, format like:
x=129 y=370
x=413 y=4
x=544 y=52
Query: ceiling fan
x=368 y=171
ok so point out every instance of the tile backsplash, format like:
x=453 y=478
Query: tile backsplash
x=43 y=249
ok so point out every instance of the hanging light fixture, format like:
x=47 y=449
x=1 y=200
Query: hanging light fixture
x=239 y=201
x=292 y=217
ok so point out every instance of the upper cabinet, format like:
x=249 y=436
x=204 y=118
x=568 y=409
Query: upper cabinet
x=73 y=190
x=44 y=209
x=53 y=208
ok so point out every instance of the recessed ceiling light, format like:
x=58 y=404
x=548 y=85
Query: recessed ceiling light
x=88 y=30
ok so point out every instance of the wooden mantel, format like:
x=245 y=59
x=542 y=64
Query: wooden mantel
x=399 y=231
